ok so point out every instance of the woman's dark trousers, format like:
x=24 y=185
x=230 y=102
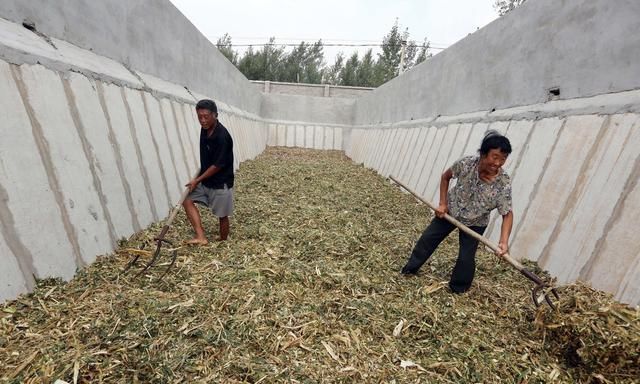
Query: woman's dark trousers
x=465 y=268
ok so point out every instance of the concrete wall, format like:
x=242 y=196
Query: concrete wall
x=307 y=135
x=149 y=36
x=93 y=150
x=575 y=168
x=575 y=164
x=329 y=110
x=318 y=90
x=582 y=47
x=308 y=121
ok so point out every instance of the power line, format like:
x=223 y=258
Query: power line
x=328 y=45
x=300 y=39
x=308 y=39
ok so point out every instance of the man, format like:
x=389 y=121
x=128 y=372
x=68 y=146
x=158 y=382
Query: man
x=481 y=186
x=214 y=185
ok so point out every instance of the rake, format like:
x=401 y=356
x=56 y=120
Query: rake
x=540 y=292
x=159 y=241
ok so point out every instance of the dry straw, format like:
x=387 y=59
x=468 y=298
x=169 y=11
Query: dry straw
x=307 y=290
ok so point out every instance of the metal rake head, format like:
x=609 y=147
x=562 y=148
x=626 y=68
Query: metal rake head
x=542 y=291
x=159 y=240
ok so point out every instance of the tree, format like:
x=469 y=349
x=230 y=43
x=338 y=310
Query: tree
x=305 y=63
x=225 y=47
x=262 y=64
x=386 y=67
x=331 y=75
x=291 y=69
x=505 y=6
x=424 y=53
x=302 y=65
x=364 y=73
x=409 y=53
x=348 y=74
x=388 y=64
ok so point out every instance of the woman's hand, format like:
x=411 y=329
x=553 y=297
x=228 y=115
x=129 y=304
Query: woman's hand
x=441 y=210
x=502 y=249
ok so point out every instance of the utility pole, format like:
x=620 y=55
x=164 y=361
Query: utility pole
x=402 y=48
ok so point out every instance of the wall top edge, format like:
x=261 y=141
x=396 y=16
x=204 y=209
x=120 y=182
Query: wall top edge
x=313 y=85
x=20 y=46
x=605 y=104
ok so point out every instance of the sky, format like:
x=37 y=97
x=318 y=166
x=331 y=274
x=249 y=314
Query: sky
x=442 y=22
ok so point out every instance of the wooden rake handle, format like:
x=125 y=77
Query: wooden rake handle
x=540 y=284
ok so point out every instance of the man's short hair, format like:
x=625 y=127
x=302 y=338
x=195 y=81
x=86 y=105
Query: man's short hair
x=207 y=104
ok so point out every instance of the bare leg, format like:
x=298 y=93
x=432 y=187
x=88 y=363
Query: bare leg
x=224 y=228
x=194 y=218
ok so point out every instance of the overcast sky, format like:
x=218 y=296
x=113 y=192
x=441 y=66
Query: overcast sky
x=442 y=22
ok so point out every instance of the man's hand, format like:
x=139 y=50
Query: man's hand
x=192 y=184
x=441 y=210
x=502 y=249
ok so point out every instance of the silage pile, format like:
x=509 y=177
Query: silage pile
x=307 y=290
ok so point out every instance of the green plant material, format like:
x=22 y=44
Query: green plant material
x=308 y=290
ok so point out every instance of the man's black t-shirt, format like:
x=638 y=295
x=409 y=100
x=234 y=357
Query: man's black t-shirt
x=217 y=150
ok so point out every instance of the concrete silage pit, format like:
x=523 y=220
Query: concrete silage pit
x=307 y=289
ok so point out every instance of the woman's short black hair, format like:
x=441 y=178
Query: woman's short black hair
x=494 y=140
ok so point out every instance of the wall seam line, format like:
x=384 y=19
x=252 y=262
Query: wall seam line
x=171 y=154
x=631 y=183
x=118 y=156
x=156 y=147
x=89 y=155
x=576 y=190
x=45 y=156
x=21 y=253
x=136 y=145
x=534 y=192
x=182 y=146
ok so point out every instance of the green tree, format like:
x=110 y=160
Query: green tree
x=305 y=63
x=263 y=64
x=386 y=67
x=364 y=73
x=314 y=63
x=331 y=75
x=505 y=6
x=424 y=53
x=309 y=60
x=292 y=69
x=348 y=74
x=226 y=48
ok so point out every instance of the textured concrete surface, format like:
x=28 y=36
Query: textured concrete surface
x=319 y=110
x=176 y=52
x=29 y=249
x=318 y=90
x=583 y=47
x=574 y=179
x=100 y=149
x=96 y=132
x=74 y=189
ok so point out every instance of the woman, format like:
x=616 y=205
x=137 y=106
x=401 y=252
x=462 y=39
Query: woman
x=482 y=185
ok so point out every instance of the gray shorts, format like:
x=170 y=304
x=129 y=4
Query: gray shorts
x=220 y=201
